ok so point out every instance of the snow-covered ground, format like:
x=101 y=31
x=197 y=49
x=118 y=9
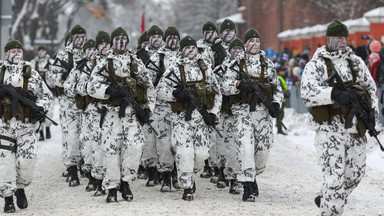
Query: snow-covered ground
x=287 y=187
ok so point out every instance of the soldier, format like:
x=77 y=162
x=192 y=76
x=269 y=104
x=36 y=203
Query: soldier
x=162 y=115
x=142 y=42
x=155 y=39
x=227 y=32
x=341 y=150
x=204 y=45
x=283 y=84
x=41 y=64
x=64 y=62
x=72 y=85
x=122 y=76
x=190 y=79
x=253 y=115
x=103 y=45
x=18 y=136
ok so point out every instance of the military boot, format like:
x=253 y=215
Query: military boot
x=221 y=179
x=166 y=187
x=112 y=196
x=280 y=131
x=318 y=200
x=188 y=194
x=152 y=178
x=91 y=182
x=234 y=187
x=215 y=177
x=41 y=138
x=255 y=189
x=248 y=192
x=126 y=192
x=99 y=188
x=207 y=172
x=47 y=133
x=79 y=167
x=22 y=201
x=175 y=181
x=141 y=172
x=9 y=206
x=74 y=178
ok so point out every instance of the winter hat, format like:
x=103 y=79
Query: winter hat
x=143 y=37
x=373 y=58
x=187 y=41
x=171 y=31
x=154 y=30
x=375 y=46
x=119 y=31
x=12 y=44
x=41 y=47
x=236 y=42
x=88 y=44
x=209 y=26
x=227 y=24
x=337 y=29
x=101 y=37
x=78 y=29
x=251 y=33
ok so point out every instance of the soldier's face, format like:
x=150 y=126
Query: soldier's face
x=189 y=52
x=78 y=40
x=227 y=35
x=155 y=41
x=337 y=43
x=41 y=53
x=14 y=55
x=235 y=51
x=209 y=35
x=103 y=48
x=89 y=52
x=120 y=44
x=253 y=45
x=171 y=41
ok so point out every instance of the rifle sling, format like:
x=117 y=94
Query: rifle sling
x=12 y=148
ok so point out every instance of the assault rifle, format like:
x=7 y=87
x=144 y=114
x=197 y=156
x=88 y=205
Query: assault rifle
x=63 y=64
x=257 y=94
x=82 y=65
x=127 y=99
x=358 y=108
x=195 y=102
x=143 y=55
x=18 y=96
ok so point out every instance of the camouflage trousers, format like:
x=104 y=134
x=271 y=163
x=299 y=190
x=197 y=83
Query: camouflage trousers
x=191 y=141
x=342 y=157
x=216 y=145
x=70 y=118
x=149 y=156
x=162 y=117
x=231 y=151
x=123 y=139
x=17 y=169
x=253 y=134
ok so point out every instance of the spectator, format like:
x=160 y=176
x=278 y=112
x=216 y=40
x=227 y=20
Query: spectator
x=374 y=60
x=362 y=52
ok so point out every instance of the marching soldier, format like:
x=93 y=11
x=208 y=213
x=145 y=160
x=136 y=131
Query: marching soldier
x=253 y=129
x=124 y=87
x=18 y=136
x=155 y=39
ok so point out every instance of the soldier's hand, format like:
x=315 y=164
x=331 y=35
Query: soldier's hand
x=39 y=113
x=343 y=97
x=210 y=120
x=3 y=93
x=180 y=95
x=245 y=86
x=275 y=111
x=114 y=92
x=147 y=115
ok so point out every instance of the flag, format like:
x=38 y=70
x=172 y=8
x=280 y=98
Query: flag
x=142 y=27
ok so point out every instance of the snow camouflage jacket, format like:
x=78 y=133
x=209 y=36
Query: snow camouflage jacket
x=315 y=91
x=193 y=73
x=205 y=50
x=121 y=65
x=13 y=74
x=253 y=69
x=41 y=65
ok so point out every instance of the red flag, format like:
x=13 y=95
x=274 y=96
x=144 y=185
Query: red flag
x=142 y=27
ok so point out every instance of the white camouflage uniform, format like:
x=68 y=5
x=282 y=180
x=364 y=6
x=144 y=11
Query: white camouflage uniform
x=253 y=131
x=190 y=138
x=123 y=137
x=16 y=170
x=341 y=152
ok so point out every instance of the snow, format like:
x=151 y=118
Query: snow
x=377 y=12
x=236 y=18
x=287 y=187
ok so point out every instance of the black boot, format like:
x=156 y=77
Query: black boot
x=99 y=188
x=47 y=133
x=175 y=181
x=80 y=166
x=112 y=195
x=248 y=192
x=318 y=200
x=152 y=178
x=221 y=179
x=207 y=172
x=280 y=131
x=188 y=194
x=255 y=189
x=9 y=206
x=91 y=182
x=215 y=177
x=22 y=201
x=74 y=178
x=141 y=172
x=166 y=187
x=234 y=187
x=126 y=192
x=41 y=138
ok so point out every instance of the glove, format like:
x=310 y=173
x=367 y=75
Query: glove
x=220 y=53
x=39 y=113
x=274 y=112
x=114 y=92
x=210 y=120
x=245 y=86
x=2 y=92
x=64 y=75
x=146 y=116
x=343 y=97
x=180 y=95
